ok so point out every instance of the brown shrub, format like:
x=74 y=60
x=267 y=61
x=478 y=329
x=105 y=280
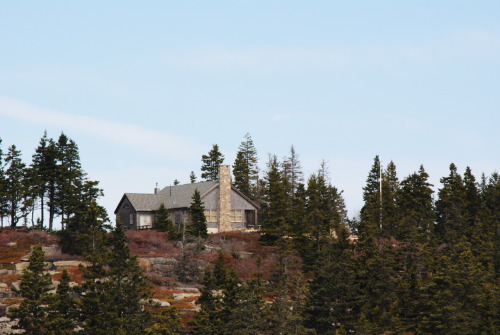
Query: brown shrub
x=149 y=242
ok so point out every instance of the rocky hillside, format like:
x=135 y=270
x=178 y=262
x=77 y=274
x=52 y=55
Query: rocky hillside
x=174 y=268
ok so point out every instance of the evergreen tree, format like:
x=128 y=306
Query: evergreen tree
x=114 y=276
x=164 y=222
x=70 y=178
x=15 y=190
x=416 y=208
x=275 y=203
x=292 y=170
x=192 y=177
x=3 y=189
x=198 y=221
x=245 y=168
x=44 y=168
x=62 y=309
x=451 y=208
x=86 y=228
x=390 y=192
x=333 y=300
x=168 y=322
x=35 y=287
x=211 y=163
x=371 y=214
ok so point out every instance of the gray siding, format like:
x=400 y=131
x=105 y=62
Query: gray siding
x=211 y=200
x=238 y=202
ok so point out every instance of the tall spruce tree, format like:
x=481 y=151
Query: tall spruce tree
x=36 y=284
x=114 y=276
x=198 y=221
x=292 y=170
x=390 y=192
x=16 y=188
x=3 y=189
x=62 y=318
x=371 y=212
x=70 y=177
x=245 y=169
x=211 y=163
x=275 y=203
x=416 y=208
x=451 y=208
x=45 y=171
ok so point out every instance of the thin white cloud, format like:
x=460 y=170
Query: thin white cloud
x=129 y=135
x=477 y=42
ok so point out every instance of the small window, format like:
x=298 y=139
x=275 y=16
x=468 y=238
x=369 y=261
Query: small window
x=131 y=219
x=236 y=216
x=211 y=215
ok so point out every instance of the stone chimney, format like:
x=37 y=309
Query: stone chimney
x=224 y=198
x=157 y=190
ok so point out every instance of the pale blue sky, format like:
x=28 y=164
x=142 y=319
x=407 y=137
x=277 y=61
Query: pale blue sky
x=146 y=87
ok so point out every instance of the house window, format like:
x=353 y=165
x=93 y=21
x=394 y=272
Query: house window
x=211 y=215
x=131 y=219
x=237 y=216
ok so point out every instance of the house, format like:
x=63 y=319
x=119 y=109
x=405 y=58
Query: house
x=226 y=208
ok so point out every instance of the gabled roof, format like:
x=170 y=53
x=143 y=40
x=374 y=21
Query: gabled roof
x=180 y=196
x=177 y=196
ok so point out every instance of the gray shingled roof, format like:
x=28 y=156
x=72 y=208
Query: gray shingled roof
x=178 y=196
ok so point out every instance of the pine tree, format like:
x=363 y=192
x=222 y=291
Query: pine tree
x=114 y=276
x=44 y=168
x=70 y=177
x=85 y=229
x=62 y=309
x=333 y=302
x=164 y=223
x=245 y=169
x=3 y=189
x=371 y=214
x=211 y=163
x=15 y=190
x=390 y=192
x=292 y=170
x=168 y=322
x=275 y=203
x=192 y=177
x=451 y=208
x=35 y=287
x=416 y=208
x=198 y=221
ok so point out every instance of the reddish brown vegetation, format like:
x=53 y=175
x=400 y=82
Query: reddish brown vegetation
x=150 y=243
x=23 y=242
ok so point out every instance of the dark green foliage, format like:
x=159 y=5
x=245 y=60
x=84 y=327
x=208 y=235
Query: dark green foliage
x=168 y=322
x=198 y=221
x=85 y=229
x=275 y=202
x=164 y=223
x=416 y=209
x=16 y=189
x=333 y=302
x=245 y=169
x=62 y=309
x=114 y=276
x=32 y=313
x=70 y=178
x=211 y=163
x=192 y=177
x=371 y=213
x=451 y=208
x=45 y=175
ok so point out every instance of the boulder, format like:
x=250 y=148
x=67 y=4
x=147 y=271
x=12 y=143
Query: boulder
x=60 y=265
x=16 y=286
